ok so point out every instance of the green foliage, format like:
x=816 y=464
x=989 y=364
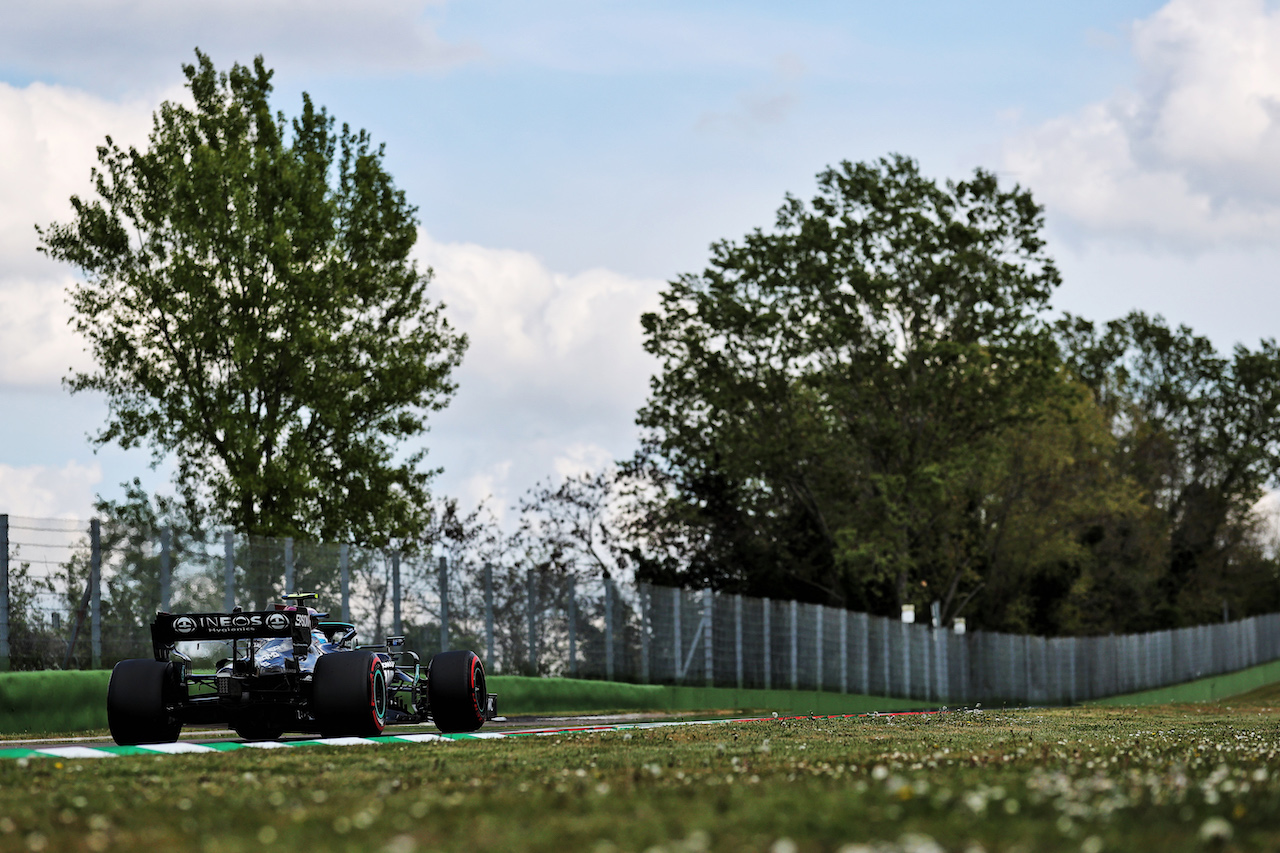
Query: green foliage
x=254 y=313
x=832 y=392
x=866 y=407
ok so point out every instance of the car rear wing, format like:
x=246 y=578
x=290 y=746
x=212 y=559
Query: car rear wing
x=169 y=629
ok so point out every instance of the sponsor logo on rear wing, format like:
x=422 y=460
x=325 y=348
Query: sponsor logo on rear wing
x=170 y=628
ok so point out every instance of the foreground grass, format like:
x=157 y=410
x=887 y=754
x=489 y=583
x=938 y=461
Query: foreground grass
x=1167 y=778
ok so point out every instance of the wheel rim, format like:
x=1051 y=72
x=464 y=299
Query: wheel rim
x=379 y=693
x=479 y=692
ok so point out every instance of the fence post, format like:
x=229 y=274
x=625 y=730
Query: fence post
x=768 y=646
x=573 y=628
x=288 y=565
x=678 y=663
x=819 y=612
x=344 y=577
x=4 y=593
x=395 y=592
x=608 y=629
x=737 y=635
x=904 y=631
x=488 y=612
x=709 y=658
x=884 y=654
x=95 y=595
x=795 y=647
x=864 y=653
x=844 y=650
x=229 y=571
x=166 y=583
x=444 y=604
x=533 y=628
x=646 y=625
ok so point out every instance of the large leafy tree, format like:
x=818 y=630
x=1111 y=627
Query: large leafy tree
x=255 y=315
x=832 y=392
x=1198 y=433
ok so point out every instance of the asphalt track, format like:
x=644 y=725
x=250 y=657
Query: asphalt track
x=210 y=741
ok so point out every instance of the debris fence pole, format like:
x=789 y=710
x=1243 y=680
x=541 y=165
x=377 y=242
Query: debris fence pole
x=444 y=604
x=572 y=594
x=709 y=659
x=344 y=571
x=819 y=611
x=533 y=628
x=95 y=595
x=288 y=566
x=229 y=571
x=737 y=636
x=844 y=650
x=488 y=612
x=608 y=629
x=646 y=625
x=166 y=579
x=4 y=593
x=795 y=648
x=678 y=657
x=395 y=592
x=768 y=645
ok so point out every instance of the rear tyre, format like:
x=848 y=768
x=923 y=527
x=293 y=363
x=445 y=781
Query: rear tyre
x=349 y=694
x=456 y=691
x=137 y=696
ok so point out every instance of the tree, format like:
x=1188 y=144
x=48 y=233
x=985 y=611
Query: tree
x=832 y=392
x=1199 y=434
x=253 y=310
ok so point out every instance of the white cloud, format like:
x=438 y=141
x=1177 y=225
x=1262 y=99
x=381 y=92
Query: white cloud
x=39 y=491
x=566 y=340
x=48 y=138
x=134 y=42
x=554 y=374
x=1190 y=153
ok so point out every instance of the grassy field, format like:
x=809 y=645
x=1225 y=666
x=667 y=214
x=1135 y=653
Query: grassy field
x=1166 y=778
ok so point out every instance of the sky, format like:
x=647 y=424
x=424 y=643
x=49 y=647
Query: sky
x=568 y=158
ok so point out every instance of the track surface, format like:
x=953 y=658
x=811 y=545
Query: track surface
x=98 y=747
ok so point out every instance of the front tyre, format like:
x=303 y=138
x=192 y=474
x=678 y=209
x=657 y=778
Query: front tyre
x=349 y=694
x=456 y=691
x=137 y=697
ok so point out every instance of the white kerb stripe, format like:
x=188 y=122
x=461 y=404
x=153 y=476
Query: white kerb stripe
x=74 y=752
x=173 y=748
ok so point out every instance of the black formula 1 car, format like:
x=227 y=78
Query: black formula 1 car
x=290 y=670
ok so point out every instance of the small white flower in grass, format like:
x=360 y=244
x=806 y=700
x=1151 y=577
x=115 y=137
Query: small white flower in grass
x=1215 y=829
x=24 y=762
x=697 y=841
x=401 y=844
x=855 y=848
x=267 y=834
x=1092 y=844
x=918 y=842
x=879 y=772
x=7 y=825
x=37 y=842
x=784 y=845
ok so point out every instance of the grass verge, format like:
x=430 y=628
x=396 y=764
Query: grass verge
x=1165 y=778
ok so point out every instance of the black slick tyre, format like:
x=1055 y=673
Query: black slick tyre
x=349 y=694
x=136 y=703
x=456 y=691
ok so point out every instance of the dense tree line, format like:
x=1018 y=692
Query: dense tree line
x=868 y=406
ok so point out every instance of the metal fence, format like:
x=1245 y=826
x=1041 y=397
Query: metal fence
x=76 y=594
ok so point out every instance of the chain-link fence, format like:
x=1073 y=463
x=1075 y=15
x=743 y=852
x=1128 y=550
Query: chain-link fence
x=81 y=595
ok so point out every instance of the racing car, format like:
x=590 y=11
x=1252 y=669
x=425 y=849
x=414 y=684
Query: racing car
x=290 y=670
